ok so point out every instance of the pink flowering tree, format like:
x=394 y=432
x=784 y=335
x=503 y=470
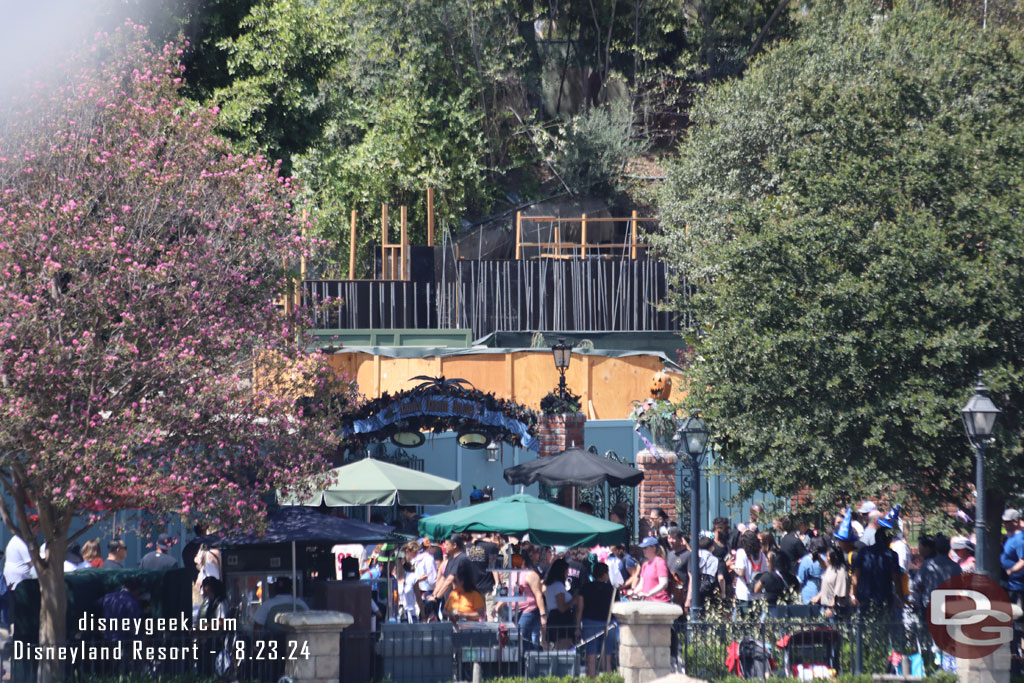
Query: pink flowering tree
x=140 y=261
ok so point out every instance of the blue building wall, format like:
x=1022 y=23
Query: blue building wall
x=441 y=456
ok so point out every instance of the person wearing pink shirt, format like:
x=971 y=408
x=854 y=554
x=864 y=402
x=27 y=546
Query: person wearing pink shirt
x=651 y=582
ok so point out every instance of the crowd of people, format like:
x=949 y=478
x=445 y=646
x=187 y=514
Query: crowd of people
x=18 y=561
x=859 y=562
x=561 y=597
x=558 y=596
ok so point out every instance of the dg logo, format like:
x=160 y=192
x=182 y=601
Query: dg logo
x=970 y=616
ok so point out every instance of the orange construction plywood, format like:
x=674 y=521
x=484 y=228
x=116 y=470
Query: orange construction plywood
x=608 y=386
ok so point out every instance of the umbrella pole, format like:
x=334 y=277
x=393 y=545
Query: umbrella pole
x=294 y=598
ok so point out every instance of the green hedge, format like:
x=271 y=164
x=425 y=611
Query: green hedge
x=863 y=678
x=601 y=678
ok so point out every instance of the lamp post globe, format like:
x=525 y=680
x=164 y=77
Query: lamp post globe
x=979 y=417
x=694 y=434
x=563 y=354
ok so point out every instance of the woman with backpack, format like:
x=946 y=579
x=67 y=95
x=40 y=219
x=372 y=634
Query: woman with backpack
x=750 y=561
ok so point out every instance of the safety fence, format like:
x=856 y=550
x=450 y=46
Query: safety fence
x=805 y=649
x=428 y=653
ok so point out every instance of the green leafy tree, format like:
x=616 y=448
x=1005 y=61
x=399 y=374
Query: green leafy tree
x=277 y=63
x=425 y=95
x=594 y=147
x=851 y=211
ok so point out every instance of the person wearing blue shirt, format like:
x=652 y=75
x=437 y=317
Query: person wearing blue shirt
x=810 y=570
x=876 y=573
x=1012 y=557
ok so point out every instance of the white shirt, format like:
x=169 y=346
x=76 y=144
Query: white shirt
x=18 y=563
x=902 y=550
x=746 y=571
x=209 y=565
x=423 y=565
x=708 y=563
x=406 y=594
x=552 y=592
x=615 y=571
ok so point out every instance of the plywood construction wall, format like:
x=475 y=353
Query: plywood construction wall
x=608 y=386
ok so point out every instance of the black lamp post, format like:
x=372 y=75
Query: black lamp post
x=562 y=353
x=979 y=416
x=691 y=438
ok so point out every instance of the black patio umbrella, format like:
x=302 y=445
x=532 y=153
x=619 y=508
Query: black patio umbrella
x=303 y=525
x=574 y=467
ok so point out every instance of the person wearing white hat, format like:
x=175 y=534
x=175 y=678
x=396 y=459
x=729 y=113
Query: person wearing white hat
x=962 y=553
x=860 y=520
x=873 y=518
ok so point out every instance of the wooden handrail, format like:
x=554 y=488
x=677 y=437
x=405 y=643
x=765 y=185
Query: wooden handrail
x=588 y=219
x=581 y=245
x=558 y=245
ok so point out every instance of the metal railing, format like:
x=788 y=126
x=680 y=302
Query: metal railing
x=858 y=645
x=433 y=652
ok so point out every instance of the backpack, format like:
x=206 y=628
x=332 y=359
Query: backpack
x=708 y=585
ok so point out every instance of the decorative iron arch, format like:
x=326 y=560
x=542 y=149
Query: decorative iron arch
x=437 y=405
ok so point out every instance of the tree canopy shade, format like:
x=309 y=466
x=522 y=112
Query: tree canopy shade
x=853 y=211
x=140 y=259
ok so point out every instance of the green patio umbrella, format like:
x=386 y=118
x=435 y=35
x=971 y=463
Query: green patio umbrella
x=372 y=482
x=547 y=523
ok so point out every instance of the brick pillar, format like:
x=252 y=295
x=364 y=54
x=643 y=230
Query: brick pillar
x=558 y=433
x=658 y=489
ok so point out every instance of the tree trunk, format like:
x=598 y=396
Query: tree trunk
x=53 y=607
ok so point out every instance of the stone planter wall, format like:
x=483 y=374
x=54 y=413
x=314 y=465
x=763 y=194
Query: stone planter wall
x=319 y=630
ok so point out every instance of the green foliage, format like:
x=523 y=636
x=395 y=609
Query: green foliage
x=600 y=678
x=424 y=93
x=594 y=148
x=284 y=51
x=398 y=146
x=863 y=678
x=658 y=416
x=554 y=403
x=852 y=212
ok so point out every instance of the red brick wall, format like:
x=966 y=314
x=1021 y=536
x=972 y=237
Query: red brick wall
x=558 y=433
x=658 y=489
